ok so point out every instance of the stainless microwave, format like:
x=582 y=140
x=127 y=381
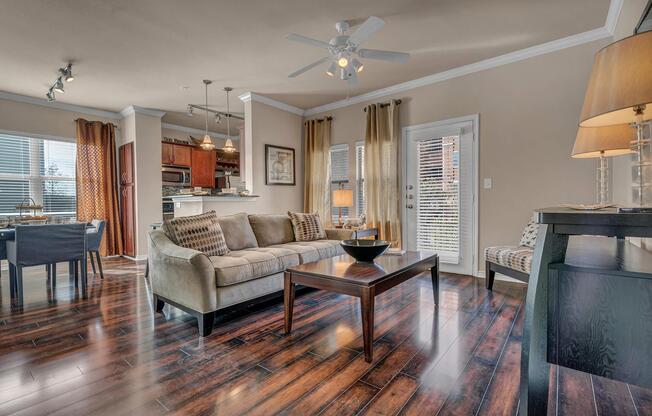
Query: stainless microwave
x=175 y=176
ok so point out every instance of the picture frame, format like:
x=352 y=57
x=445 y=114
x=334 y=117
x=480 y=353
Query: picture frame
x=280 y=165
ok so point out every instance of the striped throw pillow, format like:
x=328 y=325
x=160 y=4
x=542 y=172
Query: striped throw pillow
x=307 y=227
x=199 y=232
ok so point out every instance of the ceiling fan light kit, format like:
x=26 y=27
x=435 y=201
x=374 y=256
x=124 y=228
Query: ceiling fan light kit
x=343 y=49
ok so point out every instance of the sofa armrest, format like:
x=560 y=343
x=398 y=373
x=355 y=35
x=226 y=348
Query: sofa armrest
x=339 y=234
x=180 y=274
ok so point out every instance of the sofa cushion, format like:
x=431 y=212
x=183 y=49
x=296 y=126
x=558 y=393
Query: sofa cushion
x=238 y=232
x=199 y=232
x=306 y=253
x=307 y=227
x=325 y=248
x=517 y=258
x=271 y=229
x=244 y=265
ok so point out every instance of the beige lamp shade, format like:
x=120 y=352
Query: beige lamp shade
x=621 y=80
x=342 y=198
x=610 y=141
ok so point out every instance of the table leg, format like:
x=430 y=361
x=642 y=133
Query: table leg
x=367 y=310
x=434 y=275
x=288 y=297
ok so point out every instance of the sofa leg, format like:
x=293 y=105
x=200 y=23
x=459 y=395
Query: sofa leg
x=206 y=322
x=489 y=275
x=158 y=303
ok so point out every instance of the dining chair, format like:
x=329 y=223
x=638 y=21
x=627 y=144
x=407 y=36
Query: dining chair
x=93 y=241
x=35 y=245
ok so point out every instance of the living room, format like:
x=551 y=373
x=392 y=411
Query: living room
x=325 y=208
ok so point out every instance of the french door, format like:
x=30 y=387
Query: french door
x=440 y=202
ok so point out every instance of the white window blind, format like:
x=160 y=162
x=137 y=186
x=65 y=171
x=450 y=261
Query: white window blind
x=359 y=179
x=43 y=170
x=339 y=155
x=438 y=208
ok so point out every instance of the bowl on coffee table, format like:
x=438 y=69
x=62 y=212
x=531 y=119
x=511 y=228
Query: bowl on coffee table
x=365 y=250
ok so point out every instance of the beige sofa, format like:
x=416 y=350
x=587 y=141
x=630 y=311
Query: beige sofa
x=261 y=248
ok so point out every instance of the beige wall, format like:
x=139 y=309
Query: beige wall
x=529 y=112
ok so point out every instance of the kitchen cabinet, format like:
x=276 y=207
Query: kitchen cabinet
x=175 y=154
x=127 y=191
x=203 y=168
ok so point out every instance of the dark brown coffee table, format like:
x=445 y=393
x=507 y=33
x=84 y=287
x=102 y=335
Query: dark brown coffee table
x=342 y=274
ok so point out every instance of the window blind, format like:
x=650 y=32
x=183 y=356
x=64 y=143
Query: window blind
x=41 y=169
x=438 y=207
x=359 y=175
x=339 y=155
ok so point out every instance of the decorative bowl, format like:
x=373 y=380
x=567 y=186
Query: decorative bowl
x=365 y=250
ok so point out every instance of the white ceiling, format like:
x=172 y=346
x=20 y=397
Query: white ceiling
x=144 y=52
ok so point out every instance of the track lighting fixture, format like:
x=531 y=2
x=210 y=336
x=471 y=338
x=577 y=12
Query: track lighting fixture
x=207 y=143
x=228 y=146
x=66 y=73
x=189 y=112
x=218 y=119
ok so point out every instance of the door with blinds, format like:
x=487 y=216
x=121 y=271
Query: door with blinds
x=440 y=188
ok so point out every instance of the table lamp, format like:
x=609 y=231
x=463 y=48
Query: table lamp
x=342 y=198
x=602 y=142
x=620 y=92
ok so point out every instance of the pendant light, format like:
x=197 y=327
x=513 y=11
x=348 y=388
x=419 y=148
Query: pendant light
x=228 y=146
x=207 y=143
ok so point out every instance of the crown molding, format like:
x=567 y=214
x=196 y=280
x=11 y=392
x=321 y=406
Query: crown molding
x=251 y=96
x=9 y=96
x=615 y=6
x=508 y=58
x=192 y=130
x=133 y=109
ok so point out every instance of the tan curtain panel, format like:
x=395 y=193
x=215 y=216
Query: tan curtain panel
x=381 y=170
x=316 y=193
x=97 y=181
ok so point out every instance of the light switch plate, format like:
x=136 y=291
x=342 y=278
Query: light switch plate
x=488 y=183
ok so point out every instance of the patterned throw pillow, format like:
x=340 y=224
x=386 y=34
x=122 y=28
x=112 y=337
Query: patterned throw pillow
x=199 y=232
x=307 y=227
x=529 y=236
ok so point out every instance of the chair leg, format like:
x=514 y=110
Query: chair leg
x=12 y=280
x=99 y=264
x=76 y=273
x=206 y=322
x=158 y=303
x=84 y=273
x=19 y=283
x=90 y=253
x=489 y=275
x=48 y=270
x=53 y=274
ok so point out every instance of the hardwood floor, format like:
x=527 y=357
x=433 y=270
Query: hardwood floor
x=111 y=354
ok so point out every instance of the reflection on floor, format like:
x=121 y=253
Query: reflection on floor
x=110 y=354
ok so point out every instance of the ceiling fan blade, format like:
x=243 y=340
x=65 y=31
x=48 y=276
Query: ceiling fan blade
x=384 y=55
x=308 y=41
x=368 y=28
x=308 y=67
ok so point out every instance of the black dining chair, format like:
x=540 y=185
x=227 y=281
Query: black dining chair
x=35 y=245
x=93 y=241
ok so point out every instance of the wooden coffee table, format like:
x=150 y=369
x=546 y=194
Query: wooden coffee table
x=342 y=274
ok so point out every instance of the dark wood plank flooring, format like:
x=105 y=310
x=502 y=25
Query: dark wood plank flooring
x=111 y=354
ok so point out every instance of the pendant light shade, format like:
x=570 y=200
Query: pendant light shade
x=228 y=146
x=207 y=143
x=620 y=86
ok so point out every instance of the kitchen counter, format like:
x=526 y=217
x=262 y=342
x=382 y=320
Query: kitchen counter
x=212 y=198
x=185 y=205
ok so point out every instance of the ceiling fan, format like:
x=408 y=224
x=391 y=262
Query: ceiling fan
x=343 y=49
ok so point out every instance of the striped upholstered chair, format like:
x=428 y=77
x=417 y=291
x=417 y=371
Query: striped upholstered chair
x=512 y=261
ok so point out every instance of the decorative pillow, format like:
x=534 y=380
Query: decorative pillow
x=237 y=232
x=199 y=232
x=529 y=236
x=307 y=227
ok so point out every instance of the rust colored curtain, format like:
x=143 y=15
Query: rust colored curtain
x=381 y=171
x=316 y=191
x=97 y=181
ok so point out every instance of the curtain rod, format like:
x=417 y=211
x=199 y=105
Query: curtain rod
x=386 y=104
x=94 y=121
x=319 y=120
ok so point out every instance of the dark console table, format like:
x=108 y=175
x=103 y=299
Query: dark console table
x=589 y=303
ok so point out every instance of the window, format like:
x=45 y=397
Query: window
x=359 y=179
x=43 y=170
x=339 y=155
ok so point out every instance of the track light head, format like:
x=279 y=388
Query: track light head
x=189 y=111
x=331 y=70
x=66 y=73
x=357 y=65
x=58 y=86
x=50 y=95
x=218 y=119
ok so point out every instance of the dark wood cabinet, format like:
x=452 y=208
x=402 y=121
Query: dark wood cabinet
x=203 y=168
x=127 y=198
x=175 y=154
